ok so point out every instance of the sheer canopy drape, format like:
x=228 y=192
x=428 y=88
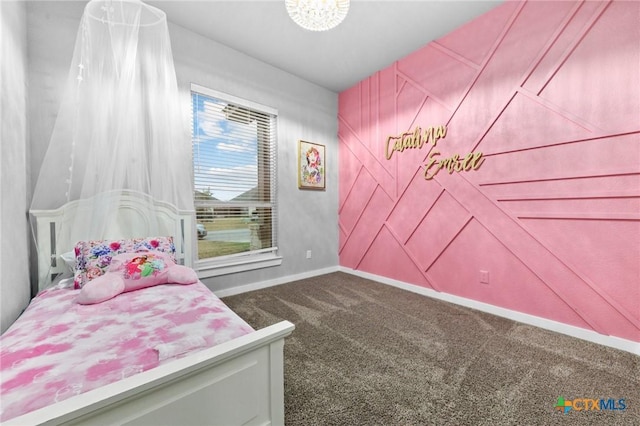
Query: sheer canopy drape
x=120 y=123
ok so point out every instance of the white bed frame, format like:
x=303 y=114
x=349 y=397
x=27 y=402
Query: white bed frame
x=240 y=382
x=130 y=220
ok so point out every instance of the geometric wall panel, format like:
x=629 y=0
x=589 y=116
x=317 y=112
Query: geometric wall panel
x=363 y=235
x=475 y=40
x=526 y=124
x=609 y=156
x=378 y=261
x=607 y=96
x=613 y=268
x=411 y=207
x=437 y=73
x=356 y=201
x=439 y=227
x=477 y=250
x=550 y=93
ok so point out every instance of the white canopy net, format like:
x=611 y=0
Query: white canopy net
x=120 y=124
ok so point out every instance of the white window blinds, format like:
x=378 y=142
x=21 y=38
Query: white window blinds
x=234 y=160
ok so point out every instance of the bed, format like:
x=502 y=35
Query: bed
x=167 y=354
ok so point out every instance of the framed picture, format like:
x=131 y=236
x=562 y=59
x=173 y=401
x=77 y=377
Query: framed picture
x=311 y=165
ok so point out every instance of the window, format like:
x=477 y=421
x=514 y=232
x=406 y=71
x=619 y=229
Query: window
x=234 y=168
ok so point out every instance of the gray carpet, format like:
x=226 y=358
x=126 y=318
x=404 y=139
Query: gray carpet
x=364 y=353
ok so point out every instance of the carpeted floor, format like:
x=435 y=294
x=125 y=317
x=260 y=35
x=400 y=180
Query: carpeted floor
x=364 y=353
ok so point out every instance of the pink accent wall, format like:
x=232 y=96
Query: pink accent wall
x=549 y=92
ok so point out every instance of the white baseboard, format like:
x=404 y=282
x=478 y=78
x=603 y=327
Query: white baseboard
x=547 y=324
x=277 y=281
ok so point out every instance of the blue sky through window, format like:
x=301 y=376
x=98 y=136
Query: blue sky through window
x=224 y=151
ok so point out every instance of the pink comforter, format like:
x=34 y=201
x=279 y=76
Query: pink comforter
x=59 y=348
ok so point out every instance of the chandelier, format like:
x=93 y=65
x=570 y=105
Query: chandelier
x=317 y=15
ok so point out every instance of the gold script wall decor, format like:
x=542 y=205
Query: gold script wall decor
x=415 y=139
x=472 y=161
x=418 y=138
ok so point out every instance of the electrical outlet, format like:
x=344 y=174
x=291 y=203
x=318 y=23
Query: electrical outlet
x=484 y=277
x=308 y=254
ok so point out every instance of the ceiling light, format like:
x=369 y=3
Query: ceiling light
x=317 y=15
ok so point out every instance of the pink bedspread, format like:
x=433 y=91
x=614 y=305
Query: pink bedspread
x=59 y=348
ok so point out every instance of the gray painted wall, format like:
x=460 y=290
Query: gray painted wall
x=14 y=228
x=307 y=220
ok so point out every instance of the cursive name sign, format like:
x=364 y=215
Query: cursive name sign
x=419 y=138
x=414 y=140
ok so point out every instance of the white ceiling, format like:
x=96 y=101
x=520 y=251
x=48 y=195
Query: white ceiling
x=373 y=36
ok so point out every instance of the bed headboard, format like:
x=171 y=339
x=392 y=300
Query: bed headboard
x=131 y=220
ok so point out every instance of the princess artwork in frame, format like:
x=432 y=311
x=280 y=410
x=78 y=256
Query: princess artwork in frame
x=311 y=165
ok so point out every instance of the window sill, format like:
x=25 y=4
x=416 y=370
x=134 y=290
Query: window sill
x=212 y=267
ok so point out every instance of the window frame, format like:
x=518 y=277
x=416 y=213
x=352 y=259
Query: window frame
x=244 y=261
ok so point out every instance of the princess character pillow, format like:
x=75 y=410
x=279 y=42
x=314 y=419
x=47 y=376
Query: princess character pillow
x=134 y=271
